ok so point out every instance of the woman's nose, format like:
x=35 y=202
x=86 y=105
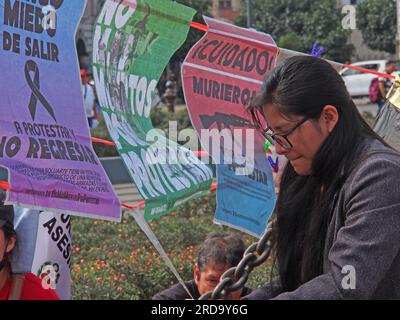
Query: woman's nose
x=280 y=150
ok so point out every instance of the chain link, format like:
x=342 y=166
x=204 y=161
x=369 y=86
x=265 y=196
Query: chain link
x=235 y=278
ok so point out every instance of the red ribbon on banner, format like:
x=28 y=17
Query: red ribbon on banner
x=380 y=74
x=204 y=28
x=143 y=203
x=6 y=186
x=110 y=143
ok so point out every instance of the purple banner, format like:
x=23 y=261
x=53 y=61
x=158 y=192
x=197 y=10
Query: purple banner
x=44 y=135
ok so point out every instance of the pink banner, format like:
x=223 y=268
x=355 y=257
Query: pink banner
x=221 y=74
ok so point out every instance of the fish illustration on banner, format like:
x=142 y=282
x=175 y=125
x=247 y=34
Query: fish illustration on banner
x=220 y=75
x=44 y=137
x=133 y=42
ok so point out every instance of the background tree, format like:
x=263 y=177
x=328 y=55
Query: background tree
x=377 y=21
x=305 y=21
x=291 y=41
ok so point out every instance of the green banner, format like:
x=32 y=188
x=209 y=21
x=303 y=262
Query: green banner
x=133 y=42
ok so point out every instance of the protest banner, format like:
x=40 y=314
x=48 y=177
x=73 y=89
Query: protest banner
x=133 y=42
x=221 y=74
x=44 y=137
x=387 y=123
x=44 y=248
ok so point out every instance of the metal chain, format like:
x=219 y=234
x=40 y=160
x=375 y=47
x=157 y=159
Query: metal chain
x=235 y=278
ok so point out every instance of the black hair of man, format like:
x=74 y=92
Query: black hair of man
x=220 y=248
x=390 y=62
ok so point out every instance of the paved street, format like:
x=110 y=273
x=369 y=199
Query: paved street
x=364 y=105
x=127 y=193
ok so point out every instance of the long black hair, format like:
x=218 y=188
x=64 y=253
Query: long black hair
x=304 y=85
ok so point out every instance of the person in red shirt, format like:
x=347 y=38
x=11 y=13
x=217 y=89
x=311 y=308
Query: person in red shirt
x=25 y=286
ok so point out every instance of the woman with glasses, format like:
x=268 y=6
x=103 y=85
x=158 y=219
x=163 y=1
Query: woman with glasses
x=338 y=210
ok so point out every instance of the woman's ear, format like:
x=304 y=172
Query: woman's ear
x=196 y=273
x=11 y=244
x=330 y=117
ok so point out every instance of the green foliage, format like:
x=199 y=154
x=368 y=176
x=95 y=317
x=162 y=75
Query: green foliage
x=377 y=21
x=117 y=261
x=290 y=41
x=161 y=117
x=101 y=132
x=309 y=20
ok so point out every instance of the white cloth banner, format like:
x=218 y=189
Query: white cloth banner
x=44 y=248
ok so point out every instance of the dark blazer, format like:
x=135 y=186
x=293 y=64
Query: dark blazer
x=363 y=237
x=177 y=292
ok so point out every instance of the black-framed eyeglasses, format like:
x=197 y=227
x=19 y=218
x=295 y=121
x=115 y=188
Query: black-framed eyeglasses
x=281 y=139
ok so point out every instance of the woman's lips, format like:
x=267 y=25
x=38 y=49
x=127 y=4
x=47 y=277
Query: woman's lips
x=293 y=160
